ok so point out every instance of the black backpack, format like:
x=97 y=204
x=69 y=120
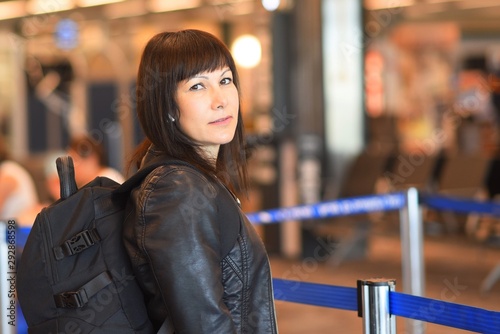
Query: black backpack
x=74 y=274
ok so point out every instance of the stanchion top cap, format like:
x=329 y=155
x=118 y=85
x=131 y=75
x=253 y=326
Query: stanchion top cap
x=378 y=282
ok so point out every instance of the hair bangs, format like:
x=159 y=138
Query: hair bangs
x=191 y=61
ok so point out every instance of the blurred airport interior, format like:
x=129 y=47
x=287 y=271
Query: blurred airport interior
x=341 y=98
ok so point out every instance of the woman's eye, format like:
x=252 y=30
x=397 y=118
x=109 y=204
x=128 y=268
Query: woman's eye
x=226 y=81
x=196 y=87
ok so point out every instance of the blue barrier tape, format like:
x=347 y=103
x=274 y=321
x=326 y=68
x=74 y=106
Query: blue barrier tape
x=414 y=307
x=22 y=235
x=460 y=204
x=444 y=313
x=344 y=298
x=342 y=207
x=404 y=305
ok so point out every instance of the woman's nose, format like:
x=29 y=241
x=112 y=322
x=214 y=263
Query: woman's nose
x=219 y=99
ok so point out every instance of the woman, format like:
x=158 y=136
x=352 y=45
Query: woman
x=184 y=214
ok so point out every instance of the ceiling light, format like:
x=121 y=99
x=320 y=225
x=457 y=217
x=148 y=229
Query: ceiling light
x=271 y=5
x=247 y=51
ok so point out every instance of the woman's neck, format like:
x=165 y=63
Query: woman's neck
x=210 y=154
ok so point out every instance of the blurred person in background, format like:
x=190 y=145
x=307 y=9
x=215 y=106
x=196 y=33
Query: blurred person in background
x=89 y=159
x=17 y=187
x=50 y=188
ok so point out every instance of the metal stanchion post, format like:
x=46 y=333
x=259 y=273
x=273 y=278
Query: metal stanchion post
x=7 y=286
x=373 y=304
x=412 y=254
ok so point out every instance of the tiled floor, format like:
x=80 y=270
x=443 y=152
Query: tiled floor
x=448 y=259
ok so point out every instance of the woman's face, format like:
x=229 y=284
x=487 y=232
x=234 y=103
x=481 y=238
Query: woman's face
x=208 y=107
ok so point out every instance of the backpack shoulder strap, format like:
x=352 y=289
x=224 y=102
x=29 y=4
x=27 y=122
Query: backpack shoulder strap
x=144 y=171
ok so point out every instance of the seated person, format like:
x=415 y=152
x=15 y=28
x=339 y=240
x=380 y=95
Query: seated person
x=90 y=161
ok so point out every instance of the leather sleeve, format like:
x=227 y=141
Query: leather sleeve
x=180 y=237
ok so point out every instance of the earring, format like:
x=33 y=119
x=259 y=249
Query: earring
x=171 y=118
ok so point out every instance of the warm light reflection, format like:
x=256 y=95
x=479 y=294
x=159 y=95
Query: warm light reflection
x=90 y=3
x=129 y=8
x=477 y=4
x=382 y=4
x=170 y=5
x=44 y=6
x=374 y=83
x=12 y=9
x=247 y=51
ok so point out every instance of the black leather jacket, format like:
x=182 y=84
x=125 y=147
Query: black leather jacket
x=175 y=233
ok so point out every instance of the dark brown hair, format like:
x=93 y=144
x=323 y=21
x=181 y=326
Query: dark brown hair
x=168 y=59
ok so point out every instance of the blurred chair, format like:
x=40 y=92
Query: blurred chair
x=364 y=173
x=350 y=233
x=407 y=170
x=462 y=175
x=412 y=170
x=486 y=228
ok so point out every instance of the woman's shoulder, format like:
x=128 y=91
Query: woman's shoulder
x=13 y=169
x=180 y=186
x=12 y=166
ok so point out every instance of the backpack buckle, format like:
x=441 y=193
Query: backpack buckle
x=77 y=243
x=77 y=299
x=81 y=241
x=70 y=299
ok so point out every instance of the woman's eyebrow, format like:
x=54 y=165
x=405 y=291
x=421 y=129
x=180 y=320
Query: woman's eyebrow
x=224 y=73
x=199 y=76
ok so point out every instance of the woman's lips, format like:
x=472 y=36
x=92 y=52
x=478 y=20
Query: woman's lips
x=223 y=120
